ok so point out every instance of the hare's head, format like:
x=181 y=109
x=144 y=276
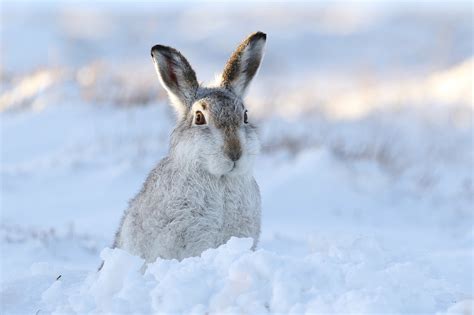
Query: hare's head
x=214 y=130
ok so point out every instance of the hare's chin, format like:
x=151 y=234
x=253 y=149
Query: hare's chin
x=221 y=168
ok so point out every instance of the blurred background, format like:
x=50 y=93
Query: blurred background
x=365 y=113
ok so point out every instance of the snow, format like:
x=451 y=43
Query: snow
x=366 y=169
x=234 y=279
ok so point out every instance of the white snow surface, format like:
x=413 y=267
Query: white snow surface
x=366 y=169
x=357 y=278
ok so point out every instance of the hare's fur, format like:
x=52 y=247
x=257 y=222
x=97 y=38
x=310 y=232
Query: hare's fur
x=203 y=192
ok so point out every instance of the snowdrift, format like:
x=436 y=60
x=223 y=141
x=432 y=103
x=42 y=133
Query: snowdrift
x=362 y=278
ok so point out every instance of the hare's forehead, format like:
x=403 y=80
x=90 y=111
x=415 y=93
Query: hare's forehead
x=220 y=103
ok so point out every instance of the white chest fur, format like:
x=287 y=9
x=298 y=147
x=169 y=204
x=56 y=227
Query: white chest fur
x=184 y=215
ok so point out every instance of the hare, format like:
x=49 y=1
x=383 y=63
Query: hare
x=203 y=192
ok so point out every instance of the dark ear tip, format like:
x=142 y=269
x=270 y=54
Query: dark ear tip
x=159 y=49
x=258 y=35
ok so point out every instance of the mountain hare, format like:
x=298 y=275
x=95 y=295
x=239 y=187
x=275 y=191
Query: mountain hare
x=203 y=192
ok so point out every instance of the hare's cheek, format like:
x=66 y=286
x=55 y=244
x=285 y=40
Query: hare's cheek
x=187 y=149
x=252 y=143
x=212 y=152
x=245 y=164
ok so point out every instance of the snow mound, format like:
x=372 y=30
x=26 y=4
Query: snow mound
x=360 y=278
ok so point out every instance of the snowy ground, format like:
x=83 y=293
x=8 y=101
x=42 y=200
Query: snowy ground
x=365 y=115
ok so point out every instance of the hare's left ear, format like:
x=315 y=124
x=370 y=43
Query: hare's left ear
x=176 y=76
x=243 y=64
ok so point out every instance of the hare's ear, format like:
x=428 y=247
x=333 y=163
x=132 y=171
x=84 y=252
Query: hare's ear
x=176 y=75
x=243 y=64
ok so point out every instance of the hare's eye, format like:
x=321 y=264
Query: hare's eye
x=246 y=118
x=199 y=118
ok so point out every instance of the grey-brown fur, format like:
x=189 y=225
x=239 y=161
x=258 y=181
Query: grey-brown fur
x=203 y=192
x=172 y=65
x=236 y=69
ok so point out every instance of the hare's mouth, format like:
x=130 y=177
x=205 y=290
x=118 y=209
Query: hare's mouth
x=232 y=167
x=236 y=169
x=225 y=167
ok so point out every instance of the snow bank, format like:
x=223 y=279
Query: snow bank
x=360 y=278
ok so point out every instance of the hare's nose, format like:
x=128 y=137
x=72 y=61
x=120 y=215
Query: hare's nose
x=234 y=155
x=232 y=147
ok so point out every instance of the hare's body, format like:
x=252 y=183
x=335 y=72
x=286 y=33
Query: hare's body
x=178 y=216
x=203 y=193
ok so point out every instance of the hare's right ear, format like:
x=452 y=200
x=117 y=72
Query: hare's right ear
x=176 y=76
